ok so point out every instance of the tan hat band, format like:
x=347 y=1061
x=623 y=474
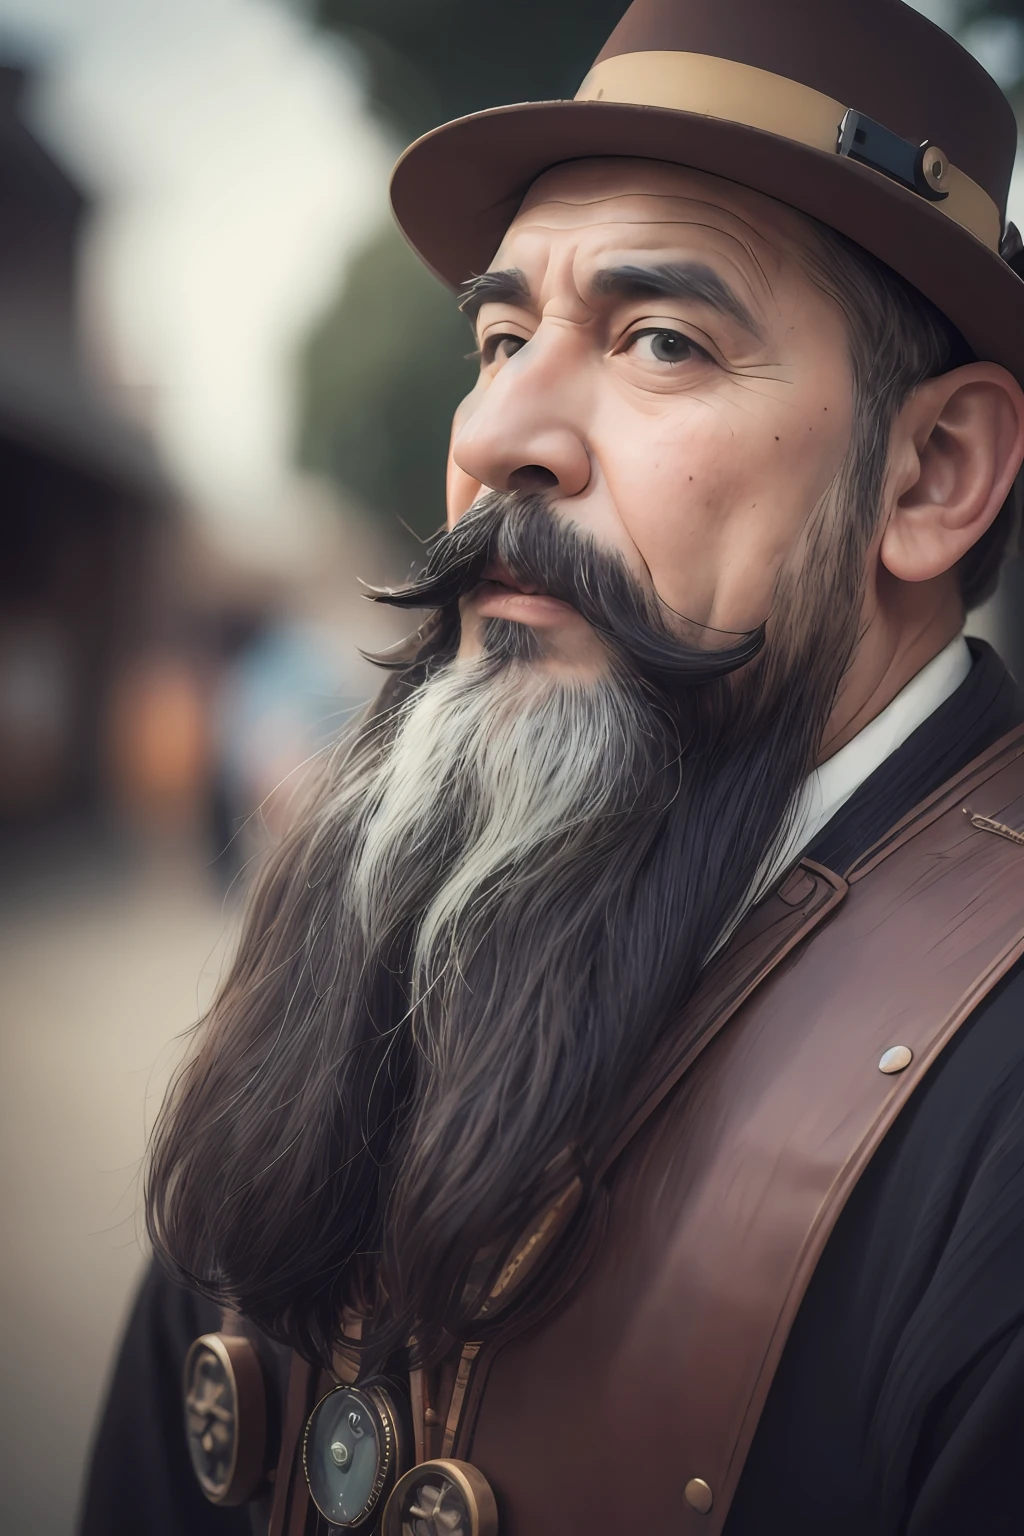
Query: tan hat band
x=756 y=98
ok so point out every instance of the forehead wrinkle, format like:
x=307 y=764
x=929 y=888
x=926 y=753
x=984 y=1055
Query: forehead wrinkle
x=529 y=220
x=663 y=197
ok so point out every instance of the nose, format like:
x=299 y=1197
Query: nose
x=527 y=432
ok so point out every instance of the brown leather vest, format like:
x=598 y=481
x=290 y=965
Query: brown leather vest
x=631 y=1406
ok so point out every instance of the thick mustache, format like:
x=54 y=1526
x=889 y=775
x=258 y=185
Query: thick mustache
x=521 y=533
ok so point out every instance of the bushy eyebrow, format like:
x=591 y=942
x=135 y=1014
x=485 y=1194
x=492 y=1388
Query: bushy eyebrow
x=677 y=280
x=509 y=287
x=674 y=279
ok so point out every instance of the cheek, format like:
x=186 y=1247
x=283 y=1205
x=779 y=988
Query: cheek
x=714 y=505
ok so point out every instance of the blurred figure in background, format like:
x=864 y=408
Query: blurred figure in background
x=281 y=700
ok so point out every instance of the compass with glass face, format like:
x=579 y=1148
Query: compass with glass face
x=352 y=1451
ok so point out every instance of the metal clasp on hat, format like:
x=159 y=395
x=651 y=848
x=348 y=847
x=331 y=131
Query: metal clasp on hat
x=921 y=168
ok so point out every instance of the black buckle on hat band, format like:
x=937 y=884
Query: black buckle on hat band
x=921 y=168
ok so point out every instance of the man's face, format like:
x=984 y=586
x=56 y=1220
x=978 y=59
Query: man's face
x=655 y=356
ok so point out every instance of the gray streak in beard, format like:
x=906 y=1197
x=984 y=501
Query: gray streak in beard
x=498 y=776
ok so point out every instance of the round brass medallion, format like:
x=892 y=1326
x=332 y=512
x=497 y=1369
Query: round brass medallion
x=351 y=1453
x=225 y=1416
x=441 y=1498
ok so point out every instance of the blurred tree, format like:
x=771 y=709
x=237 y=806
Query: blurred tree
x=383 y=374
x=994 y=32
x=386 y=368
x=434 y=59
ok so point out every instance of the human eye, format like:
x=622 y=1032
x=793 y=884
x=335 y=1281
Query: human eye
x=499 y=346
x=659 y=344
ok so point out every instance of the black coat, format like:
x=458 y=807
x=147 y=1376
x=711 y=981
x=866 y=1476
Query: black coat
x=898 y=1407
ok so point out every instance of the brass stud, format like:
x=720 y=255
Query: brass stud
x=698 y=1495
x=935 y=167
x=895 y=1059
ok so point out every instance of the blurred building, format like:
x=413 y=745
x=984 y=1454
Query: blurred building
x=83 y=506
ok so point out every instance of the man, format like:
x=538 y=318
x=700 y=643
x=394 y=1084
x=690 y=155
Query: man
x=614 y=1112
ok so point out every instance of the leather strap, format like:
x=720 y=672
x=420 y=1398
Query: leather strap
x=956 y=792
x=655 y=1372
x=770 y=933
x=291 y=1496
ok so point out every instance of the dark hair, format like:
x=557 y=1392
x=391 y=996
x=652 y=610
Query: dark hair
x=897 y=340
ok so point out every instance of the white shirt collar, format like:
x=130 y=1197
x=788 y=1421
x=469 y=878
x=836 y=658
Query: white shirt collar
x=829 y=787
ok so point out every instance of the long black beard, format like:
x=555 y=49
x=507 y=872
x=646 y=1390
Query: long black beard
x=369 y=1109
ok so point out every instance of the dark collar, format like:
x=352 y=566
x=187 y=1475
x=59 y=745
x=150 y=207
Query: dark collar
x=985 y=706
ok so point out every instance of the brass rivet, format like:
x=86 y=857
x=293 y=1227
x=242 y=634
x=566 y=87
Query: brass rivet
x=698 y=1495
x=935 y=167
x=895 y=1059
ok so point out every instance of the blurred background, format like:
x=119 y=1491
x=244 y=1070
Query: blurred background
x=225 y=391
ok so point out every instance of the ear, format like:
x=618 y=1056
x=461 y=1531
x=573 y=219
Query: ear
x=955 y=449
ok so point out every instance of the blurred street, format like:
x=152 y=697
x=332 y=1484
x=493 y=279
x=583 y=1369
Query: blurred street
x=104 y=961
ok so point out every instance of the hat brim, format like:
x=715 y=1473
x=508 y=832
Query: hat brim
x=457 y=189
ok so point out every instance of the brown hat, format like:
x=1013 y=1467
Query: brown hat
x=865 y=116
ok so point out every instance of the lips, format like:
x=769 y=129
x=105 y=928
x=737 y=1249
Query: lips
x=500 y=594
